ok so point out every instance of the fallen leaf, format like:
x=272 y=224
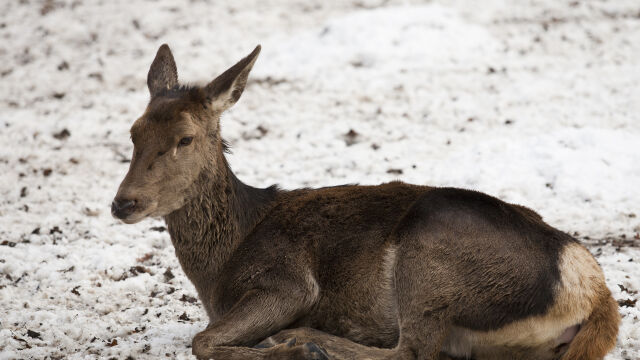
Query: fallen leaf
x=33 y=334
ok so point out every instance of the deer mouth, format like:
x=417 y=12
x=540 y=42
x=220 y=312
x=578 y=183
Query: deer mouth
x=133 y=219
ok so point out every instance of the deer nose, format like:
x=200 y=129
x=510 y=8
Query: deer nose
x=121 y=208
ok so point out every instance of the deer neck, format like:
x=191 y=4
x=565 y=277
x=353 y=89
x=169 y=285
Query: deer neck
x=210 y=226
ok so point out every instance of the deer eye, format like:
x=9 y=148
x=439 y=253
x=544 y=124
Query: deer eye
x=185 y=141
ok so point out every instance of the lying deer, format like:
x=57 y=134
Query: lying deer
x=394 y=271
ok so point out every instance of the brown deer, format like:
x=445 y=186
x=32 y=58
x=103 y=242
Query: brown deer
x=394 y=271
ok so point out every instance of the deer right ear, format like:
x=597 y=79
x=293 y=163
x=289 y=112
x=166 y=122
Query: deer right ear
x=163 y=74
x=226 y=89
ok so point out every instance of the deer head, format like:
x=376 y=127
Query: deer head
x=176 y=138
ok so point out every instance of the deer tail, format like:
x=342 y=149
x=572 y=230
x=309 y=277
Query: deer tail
x=597 y=336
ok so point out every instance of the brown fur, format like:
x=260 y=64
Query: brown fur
x=394 y=271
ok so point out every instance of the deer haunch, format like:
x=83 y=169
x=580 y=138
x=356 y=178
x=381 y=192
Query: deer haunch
x=394 y=271
x=580 y=293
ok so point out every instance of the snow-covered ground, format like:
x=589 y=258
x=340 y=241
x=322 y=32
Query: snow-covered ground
x=536 y=102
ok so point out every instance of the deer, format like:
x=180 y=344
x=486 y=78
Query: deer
x=392 y=271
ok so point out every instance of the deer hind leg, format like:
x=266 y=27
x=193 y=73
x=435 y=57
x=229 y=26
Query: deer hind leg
x=335 y=347
x=288 y=350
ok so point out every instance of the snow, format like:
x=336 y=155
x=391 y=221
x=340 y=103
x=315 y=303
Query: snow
x=535 y=102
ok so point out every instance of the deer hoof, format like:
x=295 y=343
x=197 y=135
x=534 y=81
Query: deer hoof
x=315 y=352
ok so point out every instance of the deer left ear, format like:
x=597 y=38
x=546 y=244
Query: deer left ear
x=225 y=90
x=163 y=73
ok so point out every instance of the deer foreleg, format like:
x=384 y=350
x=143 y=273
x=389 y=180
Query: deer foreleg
x=258 y=314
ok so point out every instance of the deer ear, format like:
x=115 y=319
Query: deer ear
x=163 y=73
x=225 y=90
